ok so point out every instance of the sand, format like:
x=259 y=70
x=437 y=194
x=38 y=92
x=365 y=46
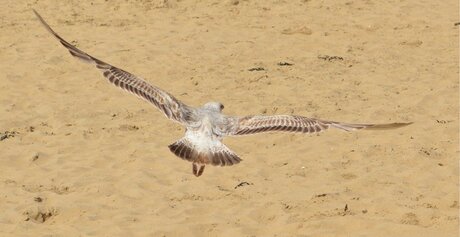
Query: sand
x=79 y=157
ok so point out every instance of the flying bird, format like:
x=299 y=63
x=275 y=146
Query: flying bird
x=206 y=126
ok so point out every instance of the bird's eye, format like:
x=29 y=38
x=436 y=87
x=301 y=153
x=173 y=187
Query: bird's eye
x=221 y=106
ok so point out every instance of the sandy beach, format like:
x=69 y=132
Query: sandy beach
x=80 y=157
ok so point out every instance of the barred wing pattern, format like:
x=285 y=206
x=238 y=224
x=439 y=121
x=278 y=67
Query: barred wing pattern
x=170 y=106
x=293 y=123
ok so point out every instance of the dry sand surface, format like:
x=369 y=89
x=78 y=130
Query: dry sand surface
x=79 y=157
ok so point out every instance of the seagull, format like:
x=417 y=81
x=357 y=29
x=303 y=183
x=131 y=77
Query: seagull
x=206 y=126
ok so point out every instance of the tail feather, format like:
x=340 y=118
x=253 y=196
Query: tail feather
x=218 y=154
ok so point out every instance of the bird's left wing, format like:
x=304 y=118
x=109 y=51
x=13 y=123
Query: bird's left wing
x=237 y=126
x=170 y=106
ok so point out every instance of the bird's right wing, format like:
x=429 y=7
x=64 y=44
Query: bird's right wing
x=170 y=106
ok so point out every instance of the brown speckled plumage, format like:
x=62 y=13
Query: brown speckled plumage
x=206 y=126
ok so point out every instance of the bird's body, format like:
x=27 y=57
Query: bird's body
x=206 y=126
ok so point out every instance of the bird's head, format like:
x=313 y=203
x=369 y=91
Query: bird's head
x=214 y=106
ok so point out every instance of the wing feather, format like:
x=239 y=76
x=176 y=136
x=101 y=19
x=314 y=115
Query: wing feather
x=238 y=126
x=165 y=102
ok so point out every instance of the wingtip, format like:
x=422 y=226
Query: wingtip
x=36 y=13
x=40 y=18
x=402 y=124
x=389 y=126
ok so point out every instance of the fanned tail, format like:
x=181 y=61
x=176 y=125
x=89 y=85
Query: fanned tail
x=201 y=153
x=219 y=154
